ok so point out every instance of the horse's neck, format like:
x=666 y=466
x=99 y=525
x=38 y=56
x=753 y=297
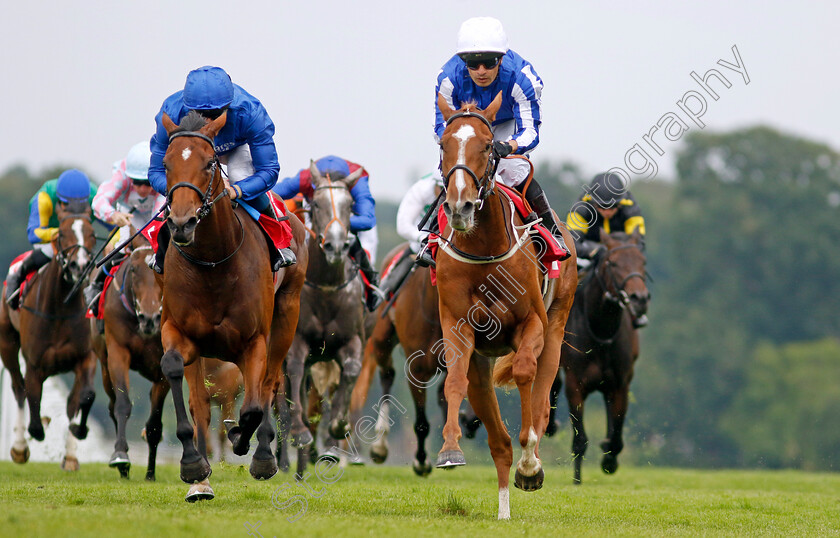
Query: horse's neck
x=603 y=314
x=219 y=230
x=320 y=271
x=490 y=236
x=51 y=289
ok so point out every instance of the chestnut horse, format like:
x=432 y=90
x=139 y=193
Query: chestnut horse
x=52 y=332
x=131 y=341
x=412 y=321
x=484 y=243
x=224 y=382
x=219 y=300
x=601 y=344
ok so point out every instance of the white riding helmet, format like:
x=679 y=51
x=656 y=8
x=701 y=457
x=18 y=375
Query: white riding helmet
x=137 y=161
x=482 y=34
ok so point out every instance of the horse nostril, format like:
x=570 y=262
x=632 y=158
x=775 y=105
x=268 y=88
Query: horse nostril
x=468 y=208
x=446 y=209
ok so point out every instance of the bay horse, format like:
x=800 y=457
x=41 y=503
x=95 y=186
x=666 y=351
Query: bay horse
x=331 y=323
x=413 y=321
x=220 y=300
x=601 y=344
x=480 y=245
x=131 y=315
x=51 y=331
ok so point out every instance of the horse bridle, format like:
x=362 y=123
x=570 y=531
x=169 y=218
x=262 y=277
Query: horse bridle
x=618 y=295
x=489 y=171
x=322 y=237
x=206 y=203
x=62 y=256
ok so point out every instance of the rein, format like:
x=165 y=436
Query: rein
x=322 y=237
x=619 y=296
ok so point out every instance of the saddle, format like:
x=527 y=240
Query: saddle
x=101 y=302
x=24 y=278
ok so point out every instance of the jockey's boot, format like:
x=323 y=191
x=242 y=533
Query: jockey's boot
x=279 y=258
x=424 y=257
x=160 y=254
x=373 y=296
x=94 y=289
x=539 y=202
x=33 y=262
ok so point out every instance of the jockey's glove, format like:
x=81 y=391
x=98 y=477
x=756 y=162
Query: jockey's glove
x=502 y=149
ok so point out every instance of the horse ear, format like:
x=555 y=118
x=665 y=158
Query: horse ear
x=493 y=108
x=168 y=124
x=212 y=128
x=317 y=178
x=444 y=107
x=352 y=178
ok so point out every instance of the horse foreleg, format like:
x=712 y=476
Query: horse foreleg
x=457 y=360
x=154 y=426
x=295 y=366
x=553 y=423
x=253 y=366
x=379 y=449
x=483 y=397
x=34 y=386
x=350 y=359
x=529 y=473
x=199 y=403
x=420 y=465
x=263 y=464
x=281 y=407
x=616 y=403
x=117 y=369
x=194 y=466
x=575 y=397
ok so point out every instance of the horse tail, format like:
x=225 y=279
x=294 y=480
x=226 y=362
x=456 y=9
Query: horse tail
x=503 y=371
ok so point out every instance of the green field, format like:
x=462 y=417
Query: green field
x=38 y=499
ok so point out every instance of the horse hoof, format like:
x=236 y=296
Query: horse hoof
x=552 y=428
x=449 y=459
x=378 y=457
x=609 y=464
x=283 y=464
x=302 y=439
x=421 y=469
x=36 y=430
x=78 y=431
x=263 y=469
x=470 y=425
x=356 y=460
x=339 y=429
x=20 y=456
x=195 y=472
x=200 y=492
x=529 y=483
x=150 y=476
x=330 y=454
x=70 y=464
x=121 y=462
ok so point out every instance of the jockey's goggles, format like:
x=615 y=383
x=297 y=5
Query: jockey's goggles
x=489 y=61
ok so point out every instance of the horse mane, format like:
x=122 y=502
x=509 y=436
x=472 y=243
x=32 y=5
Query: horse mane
x=193 y=121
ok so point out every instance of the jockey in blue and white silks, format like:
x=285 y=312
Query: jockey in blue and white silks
x=245 y=145
x=483 y=66
x=362 y=217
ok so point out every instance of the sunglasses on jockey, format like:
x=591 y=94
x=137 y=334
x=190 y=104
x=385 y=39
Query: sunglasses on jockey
x=474 y=61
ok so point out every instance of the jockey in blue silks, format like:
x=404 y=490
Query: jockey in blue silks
x=482 y=67
x=362 y=219
x=245 y=145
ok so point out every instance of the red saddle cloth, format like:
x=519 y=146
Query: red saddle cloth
x=101 y=302
x=551 y=255
x=280 y=232
x=14 y=266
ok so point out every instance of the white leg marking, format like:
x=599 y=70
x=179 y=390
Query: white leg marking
x=20 y=427
x=382 y=428
x=504 y=503
x=529 y=464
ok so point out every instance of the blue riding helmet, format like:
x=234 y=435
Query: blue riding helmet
x=72 y=185
x=208 y=88
x=331 y=163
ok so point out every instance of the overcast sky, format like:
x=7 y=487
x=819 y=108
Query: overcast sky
x=82 y=81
